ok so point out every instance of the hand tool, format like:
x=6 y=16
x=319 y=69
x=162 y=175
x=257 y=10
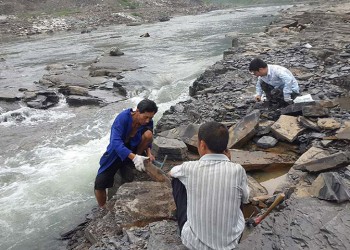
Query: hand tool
x=256 y=221
x=160 y=164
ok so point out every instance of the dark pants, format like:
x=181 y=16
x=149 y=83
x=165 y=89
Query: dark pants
x=180 y=198
x=275 y=94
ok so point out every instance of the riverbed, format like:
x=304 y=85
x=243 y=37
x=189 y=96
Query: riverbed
x=48 y=160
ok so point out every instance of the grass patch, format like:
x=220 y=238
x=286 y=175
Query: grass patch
x=129 y=4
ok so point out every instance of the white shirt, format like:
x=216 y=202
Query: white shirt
x=278 y=76
x=216 y=187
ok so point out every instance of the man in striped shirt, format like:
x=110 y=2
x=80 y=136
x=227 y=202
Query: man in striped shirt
x=208 y=193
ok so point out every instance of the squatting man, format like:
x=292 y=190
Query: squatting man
x=208 y=193
x=277 y=82
x=130 y=144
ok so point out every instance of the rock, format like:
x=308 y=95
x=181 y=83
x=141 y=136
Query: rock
x=9 y=96
x=133 y=208
x=164 y=235
x=244 y=130
x=315 y=111
x=287 y=128
x=266 y=142
x=330 y=186
x=145 y=35
x=264 y=128
x=306 y=123
x=312 y=154
x=293 y=109
x=164 y=19
x=255 y=188
x=336 y=160
x=75 y=100
x=328 y=123
x=252 y=160
x=173 y=148
x=115 y=51
x=73 y=90
x=311 y=224
x=186 y=133
x=344 y=133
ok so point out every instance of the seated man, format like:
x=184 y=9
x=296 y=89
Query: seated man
x=208 y=193
x=276 y=81
x=131 y=135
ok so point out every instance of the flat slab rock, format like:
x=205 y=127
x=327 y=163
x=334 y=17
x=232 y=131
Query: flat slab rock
x=287 y=128
x=306 y=223
x=253 y=160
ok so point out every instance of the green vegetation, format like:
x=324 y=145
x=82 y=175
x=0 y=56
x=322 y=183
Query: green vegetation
x=249 y=2
x=128 y=4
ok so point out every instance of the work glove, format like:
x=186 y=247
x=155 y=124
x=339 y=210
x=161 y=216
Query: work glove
x=138 y=161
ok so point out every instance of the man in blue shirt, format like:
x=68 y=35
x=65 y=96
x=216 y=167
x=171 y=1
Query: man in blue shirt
x=131 y=136
x=277 y=82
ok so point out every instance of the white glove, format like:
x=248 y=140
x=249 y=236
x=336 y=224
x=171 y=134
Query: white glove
x=138 y=161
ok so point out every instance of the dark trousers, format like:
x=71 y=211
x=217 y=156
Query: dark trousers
x=275 y=94
x=180 y=198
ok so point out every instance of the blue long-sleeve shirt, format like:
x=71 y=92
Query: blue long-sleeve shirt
x=278 y=76
x=117 y=150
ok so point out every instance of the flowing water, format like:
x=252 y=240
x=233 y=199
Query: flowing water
x=49 y=159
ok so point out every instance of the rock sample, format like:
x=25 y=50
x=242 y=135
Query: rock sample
x=186 y=133
x=173 y=148
x=266 y=142
x=307 y=123
x=287 y=128
x=259 y=160
x=344 y=133
x=315 y=111
x=312 y=154
x=244 y=130
x=330 y=186
x=336 y=160
x=328 y=123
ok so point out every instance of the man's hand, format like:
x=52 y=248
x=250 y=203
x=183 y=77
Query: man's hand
x=258 y=98
x=151 y=157
x=138 y=161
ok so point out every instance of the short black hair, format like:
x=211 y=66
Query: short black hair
x=147 y=105
x=215 y=135
x=257 y=64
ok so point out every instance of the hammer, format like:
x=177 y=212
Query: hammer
x=256 y=221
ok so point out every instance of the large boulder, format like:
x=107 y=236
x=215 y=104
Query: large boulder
x=287 y=128
x=133 y=208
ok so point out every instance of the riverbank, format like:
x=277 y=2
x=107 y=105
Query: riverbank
x=33 y=18
x=313 y=42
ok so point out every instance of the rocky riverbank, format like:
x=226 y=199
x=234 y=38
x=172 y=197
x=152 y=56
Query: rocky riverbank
x=45 y=17
x=312 y=138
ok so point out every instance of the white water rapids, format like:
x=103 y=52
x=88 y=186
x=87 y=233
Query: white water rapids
x=49 y=160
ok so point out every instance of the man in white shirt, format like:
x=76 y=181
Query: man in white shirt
x=277 y=82
x=208 y=193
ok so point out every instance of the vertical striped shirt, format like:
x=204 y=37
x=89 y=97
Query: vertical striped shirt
x=216 y=187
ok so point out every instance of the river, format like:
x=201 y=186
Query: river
x=48 y=161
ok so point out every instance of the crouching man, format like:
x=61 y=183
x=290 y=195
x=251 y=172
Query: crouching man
x=208 y=193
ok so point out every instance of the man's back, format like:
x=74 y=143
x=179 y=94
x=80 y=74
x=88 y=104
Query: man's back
x=215 y=188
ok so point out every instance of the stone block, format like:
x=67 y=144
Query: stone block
x=173 y=148
x=287 y=128
x=244 y=130
x=328 y=123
